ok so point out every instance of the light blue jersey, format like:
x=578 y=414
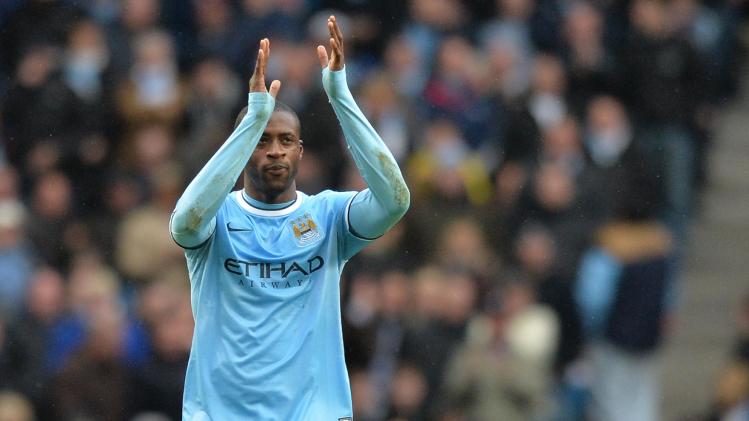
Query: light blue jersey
x=265 y=293
x=265 y=296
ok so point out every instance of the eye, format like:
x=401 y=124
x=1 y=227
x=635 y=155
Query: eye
x=288 y=140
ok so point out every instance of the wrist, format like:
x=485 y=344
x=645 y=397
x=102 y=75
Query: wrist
x=334 y=81
x=259 y=98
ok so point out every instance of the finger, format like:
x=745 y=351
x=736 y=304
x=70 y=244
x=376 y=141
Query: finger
x=331 y=27
x=334 y=46
x=322 y=55
x=274 y=87
x=260 y=69
x=338 y=33
x=266 y=48
x=258 y=60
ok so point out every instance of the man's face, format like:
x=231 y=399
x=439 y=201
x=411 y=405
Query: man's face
x=273 y=165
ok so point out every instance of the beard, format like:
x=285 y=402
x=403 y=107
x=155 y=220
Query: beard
x=272 y=185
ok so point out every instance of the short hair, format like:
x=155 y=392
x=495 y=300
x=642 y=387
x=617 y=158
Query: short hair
x=280 y=106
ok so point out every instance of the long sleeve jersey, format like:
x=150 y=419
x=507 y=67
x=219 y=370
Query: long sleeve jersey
x=265 y=278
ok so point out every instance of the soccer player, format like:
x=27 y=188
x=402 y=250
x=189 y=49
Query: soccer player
x=265 y=261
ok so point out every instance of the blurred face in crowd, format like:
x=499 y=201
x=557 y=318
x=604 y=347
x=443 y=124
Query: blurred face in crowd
x=548 y=75
x=554 y=188
x=274 y=163
x=364 y=299
x=607 y=132
x=8 y=183
x=87 y=39
x=394 y=293
x=12 y=216
x=649 y=17
x=408 y=390
x=462 y=244
x=154 y=50
x=259 y=8
x=46 y=295
x=140 y=14
x=562 y=140
x=443 y=14
x=35 y=67
x=52 y=196
x=400 y=55
x=455 y=58
x=459 y=298
x=428 y=292
x=173 y=330
x=583 y=24
x=15 y=407
x=362 y=392
x=515 y=9
x=153 y=145
x=535 y=251
x=212 y=15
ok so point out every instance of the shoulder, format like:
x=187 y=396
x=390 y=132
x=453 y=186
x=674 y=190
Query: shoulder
x=331 y=199
x=629 y=242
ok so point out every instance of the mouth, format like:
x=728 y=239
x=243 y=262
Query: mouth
x=276 y=169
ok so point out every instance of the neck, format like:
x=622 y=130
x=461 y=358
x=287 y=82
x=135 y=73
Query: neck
x=271 y=197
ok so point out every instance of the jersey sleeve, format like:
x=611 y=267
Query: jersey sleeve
x=377 y=208
x=349 y=241
x=194 y=219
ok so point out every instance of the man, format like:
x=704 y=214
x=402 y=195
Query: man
x=625 y=295
x=265 y=261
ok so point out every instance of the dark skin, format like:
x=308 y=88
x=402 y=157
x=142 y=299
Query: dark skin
x=270 y=174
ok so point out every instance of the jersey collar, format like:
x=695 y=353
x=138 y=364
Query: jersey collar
x=268 y=212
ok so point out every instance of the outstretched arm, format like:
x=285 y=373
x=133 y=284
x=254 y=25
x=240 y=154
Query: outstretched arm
x=376 y=209
x=194 y=217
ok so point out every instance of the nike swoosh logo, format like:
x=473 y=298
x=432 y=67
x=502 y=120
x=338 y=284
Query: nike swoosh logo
x=230 y=229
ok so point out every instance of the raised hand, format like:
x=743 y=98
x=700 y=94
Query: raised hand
x=257 y=81
x=336 y=47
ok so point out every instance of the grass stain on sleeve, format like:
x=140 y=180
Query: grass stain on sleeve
x=394 y=177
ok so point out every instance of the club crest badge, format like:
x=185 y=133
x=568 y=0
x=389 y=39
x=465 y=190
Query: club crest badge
x=305 y=230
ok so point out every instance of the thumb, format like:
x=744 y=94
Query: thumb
x=322 y=55
x=274 y=87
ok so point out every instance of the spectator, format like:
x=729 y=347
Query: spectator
x=731 y=393
x=160 y=380
x=144 y=246
x=524 y=126
x=35 y=23
x=665 y=100
x=136 y=17
x=15 y=407
x=592 y=67
x=16 y=260
x=502 y=371
x=552 y=200
x=153 y=92
x=445 y=171
x=214 y=21
x=213 y=96
x=408 y=394
x=52 y=215
x=613 y=157
x=40 y=114
x=95 y=383
x=430 y=346
x=624 y=295
x=33 y=337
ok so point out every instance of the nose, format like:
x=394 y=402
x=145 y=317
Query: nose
x=275 y=150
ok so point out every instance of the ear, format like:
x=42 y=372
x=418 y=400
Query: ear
x=301 y=148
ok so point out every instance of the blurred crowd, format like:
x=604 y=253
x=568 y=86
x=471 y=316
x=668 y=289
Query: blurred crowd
x=555 y=151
